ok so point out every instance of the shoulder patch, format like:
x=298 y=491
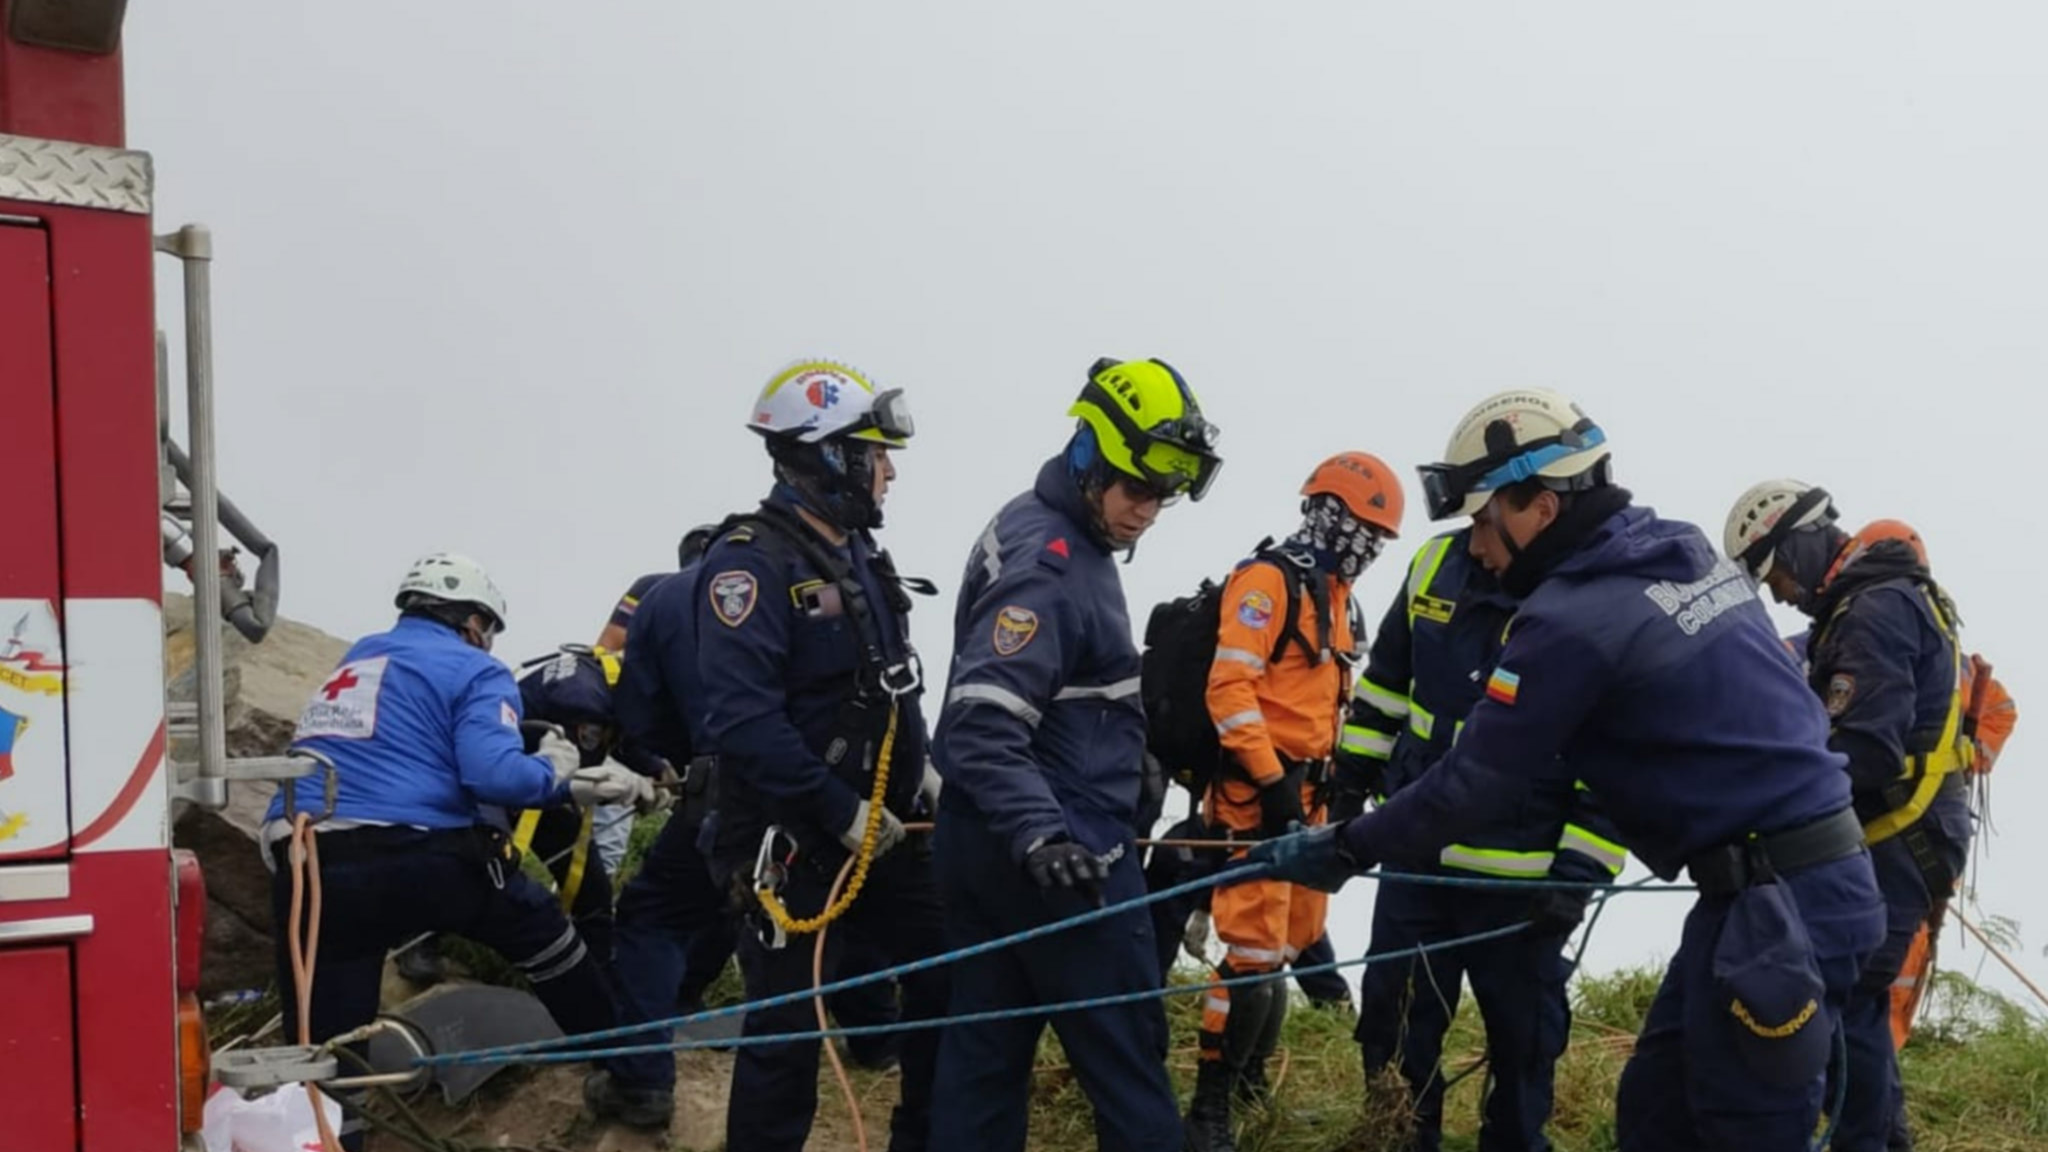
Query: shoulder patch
x=1058 y=547
x=1841 y=690
x=506 y=715
x=345 y=707
x=734 y=593
x=1255 y=609
x=1503 y=686
x=1015 y=626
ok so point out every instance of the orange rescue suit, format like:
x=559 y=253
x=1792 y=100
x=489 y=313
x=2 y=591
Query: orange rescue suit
x=1266 y=708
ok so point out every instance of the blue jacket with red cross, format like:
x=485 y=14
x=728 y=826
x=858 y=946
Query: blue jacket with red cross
x=1043 y=733
x=422 y=729
x=1645 y=666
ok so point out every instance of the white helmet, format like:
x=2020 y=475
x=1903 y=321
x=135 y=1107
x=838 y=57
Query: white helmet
x=1510 y=437
x=1766 y=514
x=814 y=400
x=453 y=578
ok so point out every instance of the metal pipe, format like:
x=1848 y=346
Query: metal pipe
x=193 y=246
x=254 y=612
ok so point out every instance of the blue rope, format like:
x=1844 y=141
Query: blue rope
x=992 y=1015
x=483 y=1055
x=1235 y=872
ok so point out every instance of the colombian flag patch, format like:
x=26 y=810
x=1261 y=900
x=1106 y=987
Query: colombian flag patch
x=1503 y=685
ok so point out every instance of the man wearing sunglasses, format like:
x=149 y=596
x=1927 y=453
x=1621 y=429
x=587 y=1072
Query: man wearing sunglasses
x=1643 y=664
x=811 y=693
x=1042 y=743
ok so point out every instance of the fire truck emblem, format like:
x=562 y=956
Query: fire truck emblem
x=822 y=391
x=733 y=595
x=11 y=728
x=29 y=670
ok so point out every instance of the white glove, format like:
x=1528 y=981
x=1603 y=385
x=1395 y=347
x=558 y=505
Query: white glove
x=886 y=837
x=1195 y=941
x=610 y=784
x=565 y=758
x=928 y=789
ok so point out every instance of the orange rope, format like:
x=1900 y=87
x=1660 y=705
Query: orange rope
x=860 y=1130
x=305 y=864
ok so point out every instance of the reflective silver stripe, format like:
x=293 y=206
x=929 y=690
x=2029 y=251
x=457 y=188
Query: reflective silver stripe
x=1239 y=720
x=1610 y=855
x=1255 y=955
x=562 y=943
x=561 y=969
x=1366 y=742
x=1240 y=656
x=1291 y=952
x=1496 y=861
x=1217 y=1004
x=991 y=553
x=1422 y=722
x=1385 y=701
x=1116 y=691
x=1002 y=698
x=1906 y=982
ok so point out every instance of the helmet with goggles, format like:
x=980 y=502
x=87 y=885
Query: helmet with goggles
x=819 y=418
x=1148 y=426
x=1766 y=515
x=1522 y=434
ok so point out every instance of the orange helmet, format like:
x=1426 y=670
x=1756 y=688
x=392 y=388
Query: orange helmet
x=1872 y=533
x=1365 y=484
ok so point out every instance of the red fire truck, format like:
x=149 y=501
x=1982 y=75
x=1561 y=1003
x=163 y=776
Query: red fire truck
x=102 y=1047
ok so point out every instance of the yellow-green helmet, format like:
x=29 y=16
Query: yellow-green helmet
x=1147 y=424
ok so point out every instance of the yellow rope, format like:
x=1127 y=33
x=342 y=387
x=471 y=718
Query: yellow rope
x=862 y=859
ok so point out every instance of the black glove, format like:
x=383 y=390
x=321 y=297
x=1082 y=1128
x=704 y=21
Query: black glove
x=1354 y=779
x=1345 y=804
x=1061 y=863
x=1280 y=805
x=1356 y=773
x=1556 y=911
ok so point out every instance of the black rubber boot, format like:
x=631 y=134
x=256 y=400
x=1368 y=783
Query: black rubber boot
x=1207 y=1128
x=1252 y=1088
x=422 y=963
x=648 y=1109
x=1251 y=1012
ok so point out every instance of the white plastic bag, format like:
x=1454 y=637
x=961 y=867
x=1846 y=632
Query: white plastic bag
x=280 y=1121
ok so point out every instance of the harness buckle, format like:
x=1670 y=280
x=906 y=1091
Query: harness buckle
x=771 y=871
x=903 y=678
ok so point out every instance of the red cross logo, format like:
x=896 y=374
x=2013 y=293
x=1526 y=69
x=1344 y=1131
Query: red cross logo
x=342 y=682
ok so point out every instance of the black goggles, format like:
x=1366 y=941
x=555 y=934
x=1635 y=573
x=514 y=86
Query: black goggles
x=1189 y=434
x=1760 y=549
x=1445 y=487
x=889 y=415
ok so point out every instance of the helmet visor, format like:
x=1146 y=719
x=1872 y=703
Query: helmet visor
x=887 y=420
x=1447 y=488
x=1176 y=457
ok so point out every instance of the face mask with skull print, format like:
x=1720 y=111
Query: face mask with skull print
x=1342 y=542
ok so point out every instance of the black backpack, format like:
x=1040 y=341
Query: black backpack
x=1180 y=645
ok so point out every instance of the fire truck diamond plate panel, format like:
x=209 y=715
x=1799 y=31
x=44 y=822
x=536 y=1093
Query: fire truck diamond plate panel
x=76 y=175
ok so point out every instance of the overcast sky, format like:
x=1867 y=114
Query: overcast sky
x=505 y=277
